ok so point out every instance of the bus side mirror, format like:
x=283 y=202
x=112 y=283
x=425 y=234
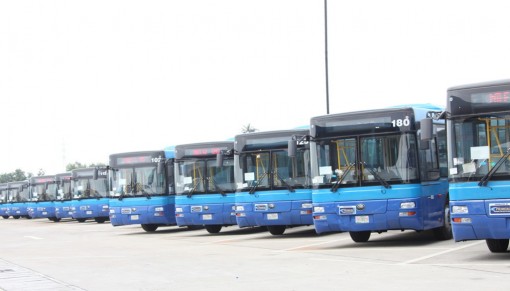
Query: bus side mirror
x=161 y=165
x=426 y=128
x=292 y=148
x=95 y=174
x=219 y=160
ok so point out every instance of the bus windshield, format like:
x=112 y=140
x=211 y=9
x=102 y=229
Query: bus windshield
x=204 y=176
x=273 y=169
x=89 y=188
x=64 y=192
x=140 y=181
x=478 y=144
x=39 y=193
x=366 y=160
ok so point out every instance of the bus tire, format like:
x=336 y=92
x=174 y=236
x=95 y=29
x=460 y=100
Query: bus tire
x=444 y=232
x=100 y=219
x=149 y=227
x=81 y=220
x=497 y=245
x=5 y=216
x=276 y=229
x=56 y=219
x=213 y=228
x=360 y=236
x=16 y=216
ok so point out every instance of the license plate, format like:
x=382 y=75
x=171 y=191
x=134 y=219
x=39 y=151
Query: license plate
x=196 y=208
x=125 y=211
x=361 y=219
x=89 y=212
x=135 y=217
x=207 y=217
x=45 y=213
x=272 y=216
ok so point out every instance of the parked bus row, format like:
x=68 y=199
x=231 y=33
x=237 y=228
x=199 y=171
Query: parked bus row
x=411 y=167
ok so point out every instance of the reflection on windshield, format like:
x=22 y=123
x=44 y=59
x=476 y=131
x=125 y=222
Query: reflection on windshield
x=391 y=158
x=273 y=169
x=143 y=181
x=89 y=188
x=204 y=176
x=479 y=143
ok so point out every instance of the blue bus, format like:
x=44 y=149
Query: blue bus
x=18 y=195
x=90 y=200
x=373 y=173
x=205 y=190
x=478 y=160
x=64 y=195
x=5 y=206
x=273 y=188
x=142 y=189
x=43 y=193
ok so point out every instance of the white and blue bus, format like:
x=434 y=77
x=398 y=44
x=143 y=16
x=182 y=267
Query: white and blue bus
x=64 y=195
x=5 y=205
x=205 y=190
x=18 y=196
x=42 y=194
x=273 y=188
x=89 y=187
x=372 y=173
x=478 y=161
x=142 y=189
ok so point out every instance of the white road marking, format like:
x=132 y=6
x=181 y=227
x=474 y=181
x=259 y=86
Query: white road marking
x=441 y=253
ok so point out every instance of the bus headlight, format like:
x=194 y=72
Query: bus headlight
x=306 y=205
x=318 y=209
x=239 y=208
x=407 y=205
x=178 y=209
x=457 y=209
x=161 y=209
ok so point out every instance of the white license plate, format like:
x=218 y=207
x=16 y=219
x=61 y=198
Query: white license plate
x=361 y=219
x=135 y=217
x=207 y=217
x=45 y=213
x=89 y=212
x=272 y=216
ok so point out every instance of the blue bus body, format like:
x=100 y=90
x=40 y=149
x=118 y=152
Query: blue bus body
x=62 y=202
x=142 y=190
x=18 y=195
x=371 y=174
x=273 y=189
x=205 y=191
x=43 y=190
x=89 y=187
x=5 y=206
x=478 y=161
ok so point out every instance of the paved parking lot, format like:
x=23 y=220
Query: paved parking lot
x=43 y=255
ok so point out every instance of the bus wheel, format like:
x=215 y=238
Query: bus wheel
x=276 y=229
x=149 y=227
x=81 y=219
x=213 y=228
x=100 y=219
x=56 y=219
x=5 y=216
x=497 y=245
x=444 y=232
x=16 y=216
x=360 y=236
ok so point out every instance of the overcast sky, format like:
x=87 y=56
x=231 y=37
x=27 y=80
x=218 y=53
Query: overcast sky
x=80 y=80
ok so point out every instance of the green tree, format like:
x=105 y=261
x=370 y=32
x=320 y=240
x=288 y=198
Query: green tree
x=17 y=175
x=78 y=165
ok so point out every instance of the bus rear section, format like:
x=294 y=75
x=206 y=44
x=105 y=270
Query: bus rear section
x=142 y=190
x=372 y=173
x=478 y=162
x=205 y=188
x=89 y=187
x=273 y=187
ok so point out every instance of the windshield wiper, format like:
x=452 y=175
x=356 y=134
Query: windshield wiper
x=340 y=180
x=254 y=187
x=485 y=179
x=190 y=193
x=291 y=189
x=218 y=188
x=377 y=177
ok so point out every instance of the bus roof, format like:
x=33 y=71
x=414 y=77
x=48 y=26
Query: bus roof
x=480 y=85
